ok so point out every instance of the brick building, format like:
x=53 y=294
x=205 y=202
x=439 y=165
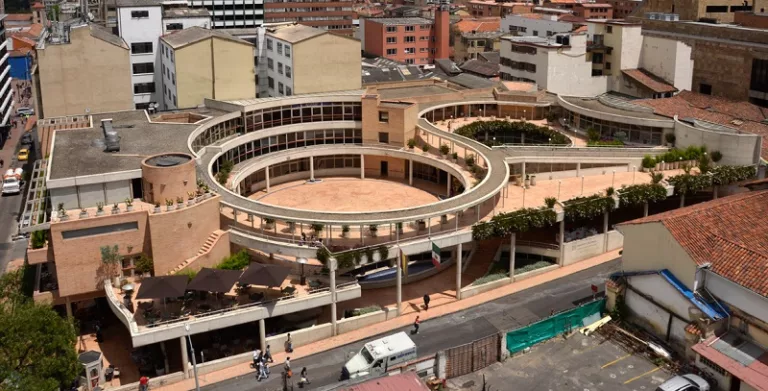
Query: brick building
x=484 y=8
x=623 y=8
x=336 y=15
x=720 y=52
x=593 y=11
x=408 y=40
x=722 y=11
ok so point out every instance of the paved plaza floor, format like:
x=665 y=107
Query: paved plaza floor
x=350 y=195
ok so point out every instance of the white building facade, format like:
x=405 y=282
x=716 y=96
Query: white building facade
x=233 y=13
x=279 y=60
x=140 y=24
x=537 y=25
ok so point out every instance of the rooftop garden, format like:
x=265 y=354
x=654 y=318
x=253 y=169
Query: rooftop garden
x=503 y=132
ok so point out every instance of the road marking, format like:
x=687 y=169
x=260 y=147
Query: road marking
x=637 y=377
x=615 y=361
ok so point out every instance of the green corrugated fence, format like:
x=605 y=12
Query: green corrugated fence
x=553 y=326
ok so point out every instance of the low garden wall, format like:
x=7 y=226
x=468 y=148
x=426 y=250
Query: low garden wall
x=349 y=324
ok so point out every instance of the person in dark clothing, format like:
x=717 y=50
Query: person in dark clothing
x=99 y=335
x=426 y=301
x=416 y=326
x=303 y=380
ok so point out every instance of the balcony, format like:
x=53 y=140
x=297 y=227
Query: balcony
x=203 y=315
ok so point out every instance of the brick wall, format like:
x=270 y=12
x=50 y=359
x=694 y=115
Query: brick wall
x=178 y=235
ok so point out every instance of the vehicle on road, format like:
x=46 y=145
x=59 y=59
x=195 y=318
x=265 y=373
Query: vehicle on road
x=26 y=139
x=376 y=357
x=12 y=181
x=25 y=111
x=689 y=382
x=23 y=155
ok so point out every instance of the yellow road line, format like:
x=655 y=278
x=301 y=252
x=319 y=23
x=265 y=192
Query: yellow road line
x=615 y=361
x=637 y=377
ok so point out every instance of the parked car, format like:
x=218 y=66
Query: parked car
x=687 y=382
x=23 y=155
x=25 y=111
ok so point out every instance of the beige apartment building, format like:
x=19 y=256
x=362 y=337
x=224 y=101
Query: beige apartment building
x=87 y=70
x=307 y=60
x=198 y=63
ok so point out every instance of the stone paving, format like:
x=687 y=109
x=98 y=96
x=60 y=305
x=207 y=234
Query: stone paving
x=349 y=195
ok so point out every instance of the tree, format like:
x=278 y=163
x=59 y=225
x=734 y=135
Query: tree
x=111 y=258
x=37 y=346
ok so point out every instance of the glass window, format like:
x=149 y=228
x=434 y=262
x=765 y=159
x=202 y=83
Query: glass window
x=143 y=67
x=270 y=64
x=279 y=48
x=383 y=116
x=141 y=47
x=391 y=29
x=280 y=87
x=269 y=44
x=139 y=14
x=287 y=71
x=287 y=51
x=280 y=68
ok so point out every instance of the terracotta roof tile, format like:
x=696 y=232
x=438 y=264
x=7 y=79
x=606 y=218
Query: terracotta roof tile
x=692 y=328
x=484 y=25
x=18 y=17
x=649 y=80
x=740 y=115
x=730 y=233
x=595 y=5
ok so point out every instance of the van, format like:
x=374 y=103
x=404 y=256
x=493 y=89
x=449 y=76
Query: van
x=377 y=357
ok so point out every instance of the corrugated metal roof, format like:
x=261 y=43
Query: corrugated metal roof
x=408 y=381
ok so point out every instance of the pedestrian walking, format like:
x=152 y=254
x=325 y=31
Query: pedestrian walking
x=143 y=383
x=287 y=367
x=268 y=355
x=289 y=344
x=416 y=324
x=257 y=358
x=303 y=380
x=426 y=301
x=260 y=372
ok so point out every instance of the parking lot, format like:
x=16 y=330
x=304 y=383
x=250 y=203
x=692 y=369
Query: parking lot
x=579 y=363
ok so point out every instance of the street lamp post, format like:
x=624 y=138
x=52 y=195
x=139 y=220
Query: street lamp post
x=559 y=182
x=613 y=178
x=302 y=261
x=194 y=360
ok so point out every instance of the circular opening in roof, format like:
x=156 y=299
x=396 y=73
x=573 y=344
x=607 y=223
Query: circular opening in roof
x=168 y=160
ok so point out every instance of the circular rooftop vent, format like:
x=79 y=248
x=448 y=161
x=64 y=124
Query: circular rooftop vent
x=168 y=160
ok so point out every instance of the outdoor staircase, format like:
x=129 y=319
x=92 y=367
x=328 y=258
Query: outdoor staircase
x=482 y=259
x=205 y=248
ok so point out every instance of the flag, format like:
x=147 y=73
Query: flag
x=435 y=255
x=404 y=260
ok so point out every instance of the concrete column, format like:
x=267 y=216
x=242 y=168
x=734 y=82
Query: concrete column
x=523 y=173
x=682 y=200
x=362 y=166
x=512 y=246
x=399 y=277
x=410 y=173
x=334 y=329
x=458 y=272
x=362 y=241
x=448 y=186
x=184 y=357
x=253 y=220
x=234 y=215
x=578 y=169
x=429 y=227
x=266 y=175
x=262 y=335
x=605 y=231
x=561 y=242
x=645 y=209
x=165 y=357
x=311 y=168
x=477 y=208
x=68 y=305
x=262 y=225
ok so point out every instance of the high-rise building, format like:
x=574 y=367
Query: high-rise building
x=6 y=92
x=334 y=15
x=408 y=40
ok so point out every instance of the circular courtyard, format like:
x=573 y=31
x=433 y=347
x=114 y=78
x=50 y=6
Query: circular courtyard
x=349 y=195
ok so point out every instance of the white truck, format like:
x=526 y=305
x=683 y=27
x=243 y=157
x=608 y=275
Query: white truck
x=378 y=356
x=12 y=181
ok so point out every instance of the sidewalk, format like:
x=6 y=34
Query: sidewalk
x=8 y=152
x=402 y=321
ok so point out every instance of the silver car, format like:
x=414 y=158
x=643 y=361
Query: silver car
x=687 y=382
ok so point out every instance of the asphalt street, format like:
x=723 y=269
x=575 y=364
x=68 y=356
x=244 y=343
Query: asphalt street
x=462 y=327
x=9 y=211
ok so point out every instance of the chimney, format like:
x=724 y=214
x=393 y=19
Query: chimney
x=442 y=23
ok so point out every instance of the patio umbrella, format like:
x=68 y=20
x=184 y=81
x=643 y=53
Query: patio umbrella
x=214 y=280
x=267 y=275
x=162 y=287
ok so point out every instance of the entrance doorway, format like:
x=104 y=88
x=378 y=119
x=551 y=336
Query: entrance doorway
x=384 y=169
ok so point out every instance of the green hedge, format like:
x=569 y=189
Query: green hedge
x=236 y=261
x=489 y=278
x=640 y=194
x=503 y=224
x=584 y=208
x=503 y=130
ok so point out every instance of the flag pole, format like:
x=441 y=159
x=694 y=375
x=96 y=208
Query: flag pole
x=399 y=271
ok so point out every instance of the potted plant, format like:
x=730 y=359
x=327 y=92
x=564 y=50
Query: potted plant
x=179 y=202
x=455 y=157
x=344 y=230
x=470 y=160
x=157 y=207
x=373 y=228
x=291 y=226
x=110 y=257
x=425 y=148
x=444 y=149
x=670 y=138
x=411 y=144
x=317 y=228
x=550 y=202
x=99 y=208
x=716 y=156
x=527 y=180
x=129 y=205
x=533 y=180
x=115 y=209
x=421 y=224
x=519 y=180
x=443 y=219
x=191 y=198
x=269 y=223
x=168 y=204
